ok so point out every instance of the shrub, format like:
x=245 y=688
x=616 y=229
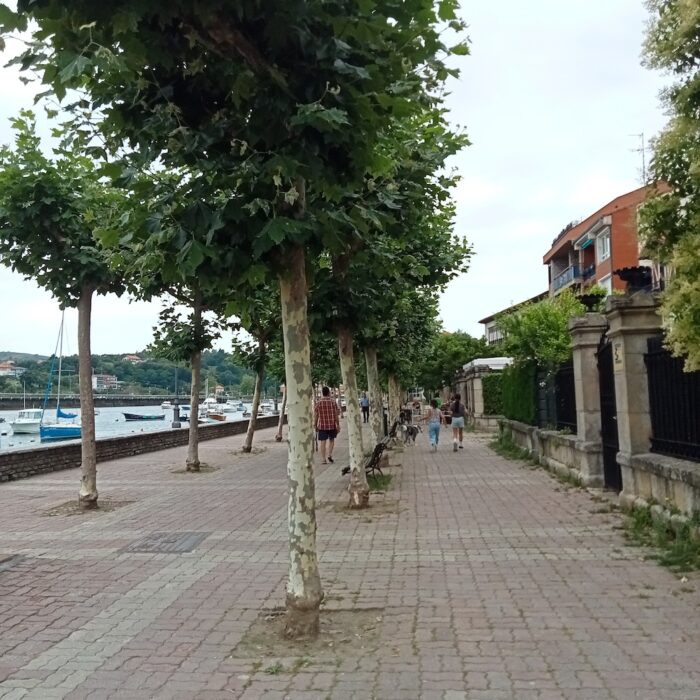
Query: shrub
x=519 y=392
x=493 y=398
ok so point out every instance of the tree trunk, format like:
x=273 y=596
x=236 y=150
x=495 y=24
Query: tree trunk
x=88 y=449
x=393 y=400
x=280 y=422
x=375 y=394
x=304 y=591
x=192 y=464
x=259 y=378
x=358 y=488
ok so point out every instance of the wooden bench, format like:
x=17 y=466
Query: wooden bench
x=372 y=463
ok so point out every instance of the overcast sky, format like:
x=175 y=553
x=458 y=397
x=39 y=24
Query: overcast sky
x=553 y=98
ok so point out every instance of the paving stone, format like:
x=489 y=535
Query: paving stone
x=491 y=581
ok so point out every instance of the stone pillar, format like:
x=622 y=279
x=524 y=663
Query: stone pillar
x=586 y=332
x=632 y=320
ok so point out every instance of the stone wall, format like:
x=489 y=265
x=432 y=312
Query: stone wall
x=566 y=455
x=20 y=464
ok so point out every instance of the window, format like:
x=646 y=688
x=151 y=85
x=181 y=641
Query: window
x=603 y=245
x=606 y=282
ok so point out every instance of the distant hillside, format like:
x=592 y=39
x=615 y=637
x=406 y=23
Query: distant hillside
x=21 y=356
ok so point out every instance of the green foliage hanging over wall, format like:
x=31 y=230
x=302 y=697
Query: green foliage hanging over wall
x=519 y=392
x=492 y=385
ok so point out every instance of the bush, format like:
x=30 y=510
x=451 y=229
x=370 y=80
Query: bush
x=493 y=398
x=519 y=392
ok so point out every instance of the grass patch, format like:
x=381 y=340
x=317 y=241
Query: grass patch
x=379 y=482
x=676 y=548
x=506 y=447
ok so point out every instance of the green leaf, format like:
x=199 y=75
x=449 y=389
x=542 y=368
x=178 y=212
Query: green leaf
x=461 y=49
x=11 y=21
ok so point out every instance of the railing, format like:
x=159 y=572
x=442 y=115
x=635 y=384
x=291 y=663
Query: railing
x=588 y=271
x=674 y=402
x=569 y=275
x=565 y=396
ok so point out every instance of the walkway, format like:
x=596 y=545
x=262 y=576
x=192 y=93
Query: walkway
x=482 y=579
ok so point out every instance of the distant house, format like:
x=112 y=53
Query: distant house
x=101 y=382
x=492 y=332
x=9 y=368
x=134 y=359
x=588 y=252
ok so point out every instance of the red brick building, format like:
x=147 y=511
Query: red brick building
x=587 y=252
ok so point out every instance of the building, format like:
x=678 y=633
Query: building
x=9 y=368
x=492 y=332
x=100 y=382
x=134 y=359
x=587 y=252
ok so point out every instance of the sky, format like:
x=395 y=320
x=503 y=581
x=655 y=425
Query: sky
x=553 y=98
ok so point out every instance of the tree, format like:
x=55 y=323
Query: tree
x=670 y=221
x=539 y=332
x=48 y=210
x=184 y=339
x=282 y=105
x=447 y=354
x=258 y=311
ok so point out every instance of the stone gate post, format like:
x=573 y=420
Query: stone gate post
x=632 y=320
x=586 y=332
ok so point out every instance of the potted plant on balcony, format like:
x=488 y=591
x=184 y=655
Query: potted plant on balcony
x=637 y=277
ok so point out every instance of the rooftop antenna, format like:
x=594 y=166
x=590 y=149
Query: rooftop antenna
x=642 y=149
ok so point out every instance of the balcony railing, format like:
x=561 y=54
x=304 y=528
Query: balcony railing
x=569 y=275
x=588 y=271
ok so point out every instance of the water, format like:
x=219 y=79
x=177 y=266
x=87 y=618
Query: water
x=109 y=423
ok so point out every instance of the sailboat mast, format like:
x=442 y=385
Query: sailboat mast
x=60 y=360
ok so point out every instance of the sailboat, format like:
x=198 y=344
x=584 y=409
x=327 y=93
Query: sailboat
x=50 y=432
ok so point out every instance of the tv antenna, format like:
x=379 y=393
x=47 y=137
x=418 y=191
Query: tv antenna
x=642 y=150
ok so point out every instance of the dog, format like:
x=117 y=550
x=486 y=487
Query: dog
x=411 y=433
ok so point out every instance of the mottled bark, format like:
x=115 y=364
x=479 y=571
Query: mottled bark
x=358 y=488
x=280 y=422
x=253 y=420
x=304 y=591
x=394 y=400
x=88 y=449
x=193 y=437
x=375 y=395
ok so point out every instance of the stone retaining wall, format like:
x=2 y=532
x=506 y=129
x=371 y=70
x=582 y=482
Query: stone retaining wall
x=20 y=464
x=565 y=454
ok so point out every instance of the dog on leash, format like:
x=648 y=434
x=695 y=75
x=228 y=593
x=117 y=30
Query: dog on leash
x=411 y=433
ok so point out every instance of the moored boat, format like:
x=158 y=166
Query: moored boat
x=58 y=431
x=28 y=421
x=139 y=416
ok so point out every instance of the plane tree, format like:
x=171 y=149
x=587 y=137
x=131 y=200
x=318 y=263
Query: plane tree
x=670 y=220
x=285 y=103
x=49 y=208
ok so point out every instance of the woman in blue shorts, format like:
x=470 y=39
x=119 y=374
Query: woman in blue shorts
x=458 y=413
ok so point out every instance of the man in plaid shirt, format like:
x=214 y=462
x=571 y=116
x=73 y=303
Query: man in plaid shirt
x=326 y=420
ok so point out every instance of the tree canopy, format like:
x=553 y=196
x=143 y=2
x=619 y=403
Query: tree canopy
x=670 y=222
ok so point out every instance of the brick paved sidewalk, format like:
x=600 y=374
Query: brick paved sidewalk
x=489 y=581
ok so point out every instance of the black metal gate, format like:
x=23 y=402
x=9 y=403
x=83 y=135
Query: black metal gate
x=612 y=474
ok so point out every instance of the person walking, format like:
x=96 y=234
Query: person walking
x=458 y=414
x=434 y=419
x=327 y=423
x=364 y=404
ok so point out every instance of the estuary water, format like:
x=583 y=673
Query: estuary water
x=110 y=422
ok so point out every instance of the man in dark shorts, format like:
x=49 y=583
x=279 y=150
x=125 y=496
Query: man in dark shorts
x=326 y=420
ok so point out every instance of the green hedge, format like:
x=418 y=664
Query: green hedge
x=493 y=398
x=519 y=392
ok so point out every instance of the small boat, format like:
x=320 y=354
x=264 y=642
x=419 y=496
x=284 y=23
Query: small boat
x=216 y=416
x=51 y=433
x=28 y=421
x=166 y=404
x=139 y=416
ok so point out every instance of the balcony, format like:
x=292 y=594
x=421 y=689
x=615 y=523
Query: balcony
x=588 y=272
x=567 y=277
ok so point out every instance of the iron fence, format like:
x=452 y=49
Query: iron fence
x=674 y=401
x=556 y=398
x=565 y=397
